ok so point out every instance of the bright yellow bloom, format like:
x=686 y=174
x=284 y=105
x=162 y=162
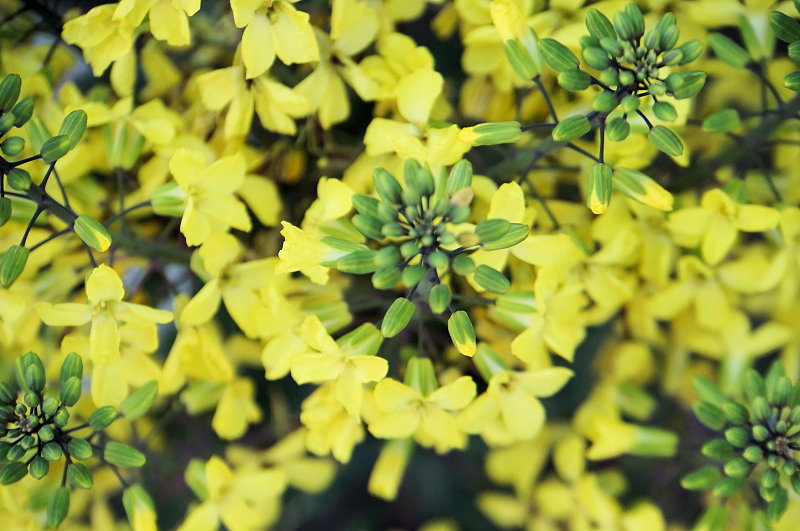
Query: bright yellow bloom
x=106 y=310
x=331 y=429
x=210 y=205
x=326 y=361
x=406 y=412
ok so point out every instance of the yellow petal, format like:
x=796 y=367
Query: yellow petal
x=202 y=307
x=455 y=395
x=756 y=218
x=293 y=37
x=64 y=314
x=544 y=382
x=508 y=203
x=367 y=368
x=391 y=395
x=718 y=240
x=522 y=413
x=104 y=285
x=258 y=52
x=104 y=339
x=395 y=425
x=316 y=368
x=416 y=94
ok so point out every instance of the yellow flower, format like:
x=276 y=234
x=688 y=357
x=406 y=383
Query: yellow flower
x=106 y=310
x=331 y=429
x=273 y=28
x=715 y=224
x=101 y=35
x=210 y=205
x=305 y=252
x=326 y=361
x=429 y=418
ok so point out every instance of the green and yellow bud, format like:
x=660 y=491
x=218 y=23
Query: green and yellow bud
x=491 y=133
x=12 y=145
x=462 y=333
x=397 y=317
x=439 y=298
x=642 y=188
x=92 y=232
x=488 y=362
x=598 y=192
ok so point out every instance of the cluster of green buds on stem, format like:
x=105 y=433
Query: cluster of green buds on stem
x=38 y=430
x=630 y=64
x=415 y=247
x=760 y=443
x=16 y=183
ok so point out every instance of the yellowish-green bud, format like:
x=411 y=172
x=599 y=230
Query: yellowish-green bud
x=488 y=362
x=52 y=452
x=728 y=51
x=79 y=476
x=642 y=188
x=571 y=128
x=55 y=148
x=12 y=145
x=79 y=449
x=168 y=200
x=439 y=298
x=19 y=179
x=140 y=401
x=557 y=55
x=421 y=376
x=23 y=111
x=666 y=140
x=73 y=126
x=57 y=507
x=92 y=232
x=102 y=418
x=491 y=279
x=71 y=391
x=462 y=333
x=598 y=193
x=123 y=455
x=397 y=317
x=701 y=479
x=491 y=133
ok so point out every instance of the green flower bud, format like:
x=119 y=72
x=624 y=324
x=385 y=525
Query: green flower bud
x=71 y=366
x=691 y=50
x=62 y=417
x=517 y=232
x=123 y=455
x=7 y=122
x=365 y=205
x=79 y=449
x=604 y=101
x=710 y=415
x=701 y=479
x=571 y=128
x=73 y=126
x=796 y=483
x=412 y=275
x=769 y=478
x=492 y=229
x=15 y=453
x=46 y=433
x=625 y=26
x=782 y=393
x=57 y=507
x=34 y=377
x=598 y=24
x=140 y=401
x=387 y=187
x=558 y=56
x=368 y=226
x=735 y=413
x=55 y=148
x=598 y=193
x=520 y=59
x=168 y=200
x=666 y=140
x=777 y=506
x=753 y=385
x=71 y=391
x=462 y=333
x=438 y=259
x=759 y=409
x=460 y=214
x=12 y=145
x=595 y=57
x=728 y=51
x=79 y=476
x=609 y=76
x=7 y=394
x=708 y=391
x=9 y=91
x=397 y=317
x=792 y=81
x=652 y=38
x=629 y=104
x=50 y=405
x=5 y=210
x=673 y=57
x=753 y=453
x=19 y=179
x=460 y=177
x=31 y=399
x=463 y=265
x=23 y=111
x=685 y=85
x=665 y=111
x=27 y=442
x=634 y=14
x=38 y=468
x=617 y=129
x=737 y=467
x=92 y=232
x=492 y=133
x=785 y=27
x=612 y=48
x=388 y=255
x=439 y=298
x=102 y=418
x=737 y=436
x=52 y=452
x=760 y=433
x=386 y=277
x=728 y=487
x=669 y=37
x=574 y=79
x=12 y=473
x=357 y=262
x=491 y=279
x=626 y=78
x=794 y=51
x=723 y=121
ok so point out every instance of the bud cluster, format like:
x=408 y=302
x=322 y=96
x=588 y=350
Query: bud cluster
x=49 y=149
x=412 y=227
x=34 y=431
x=629 y=61
x=787 y=29
x=761 y=439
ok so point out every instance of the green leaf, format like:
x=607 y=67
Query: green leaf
x=57 y=507
x=571 y=128
x=397 y=317
x=140 y=401
x=666 y=140
x=123 y=455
